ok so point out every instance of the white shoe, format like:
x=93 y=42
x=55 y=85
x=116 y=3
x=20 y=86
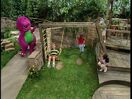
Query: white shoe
x=53 y=65
x=101 y=70
x=48 y=65
x=105 y=70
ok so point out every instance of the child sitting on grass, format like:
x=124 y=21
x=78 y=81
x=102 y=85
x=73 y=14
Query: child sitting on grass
x=103 y=62
x=53 y=55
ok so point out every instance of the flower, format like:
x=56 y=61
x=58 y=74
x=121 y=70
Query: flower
x=33 y=66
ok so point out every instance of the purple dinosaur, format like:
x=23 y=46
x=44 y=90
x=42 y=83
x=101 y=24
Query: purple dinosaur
x=25 y=32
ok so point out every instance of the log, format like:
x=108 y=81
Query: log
x=10 y=49
x=16 y=36
x=5 y=42
x=9 y=45
x=14 y=32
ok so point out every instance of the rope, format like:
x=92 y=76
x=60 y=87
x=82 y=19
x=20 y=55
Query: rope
x=61 y=41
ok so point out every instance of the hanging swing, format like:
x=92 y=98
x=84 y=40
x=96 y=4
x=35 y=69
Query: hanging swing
x=57 y=52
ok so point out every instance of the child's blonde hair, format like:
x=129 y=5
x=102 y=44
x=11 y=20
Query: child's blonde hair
x=53 y=45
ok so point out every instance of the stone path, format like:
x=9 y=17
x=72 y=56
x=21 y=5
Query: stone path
x=14 y=74
x=59 y=65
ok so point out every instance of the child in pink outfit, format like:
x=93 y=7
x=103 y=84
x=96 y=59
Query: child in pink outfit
x=103 y=62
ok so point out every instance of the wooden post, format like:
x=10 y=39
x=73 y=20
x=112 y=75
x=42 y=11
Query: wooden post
x=110 y=12
x=41 y=40
x=100 y=38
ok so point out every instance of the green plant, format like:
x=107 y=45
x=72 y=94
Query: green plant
x=121 y=8
x=7 y=33
x=33 y=72
x=115 y=21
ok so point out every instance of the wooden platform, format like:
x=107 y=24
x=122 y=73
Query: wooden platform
x=119 y=59
x=66 y=24
x=118 y=31
x=113 y=75
x=112 y=92
x=118 y=43
x=115 y=83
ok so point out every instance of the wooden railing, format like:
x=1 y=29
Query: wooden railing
x=122 y=34
x=119 y=39
x=121 y=27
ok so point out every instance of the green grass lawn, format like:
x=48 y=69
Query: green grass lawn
x=72 y=82
x=6 y=56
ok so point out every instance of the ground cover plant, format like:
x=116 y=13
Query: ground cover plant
x=71 y=82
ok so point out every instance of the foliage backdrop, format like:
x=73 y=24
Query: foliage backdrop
x=60 y=10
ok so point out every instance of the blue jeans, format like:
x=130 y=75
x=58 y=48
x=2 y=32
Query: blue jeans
x=81 y=46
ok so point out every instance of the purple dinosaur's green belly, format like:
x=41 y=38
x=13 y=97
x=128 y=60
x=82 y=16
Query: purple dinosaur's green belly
x=28 y=37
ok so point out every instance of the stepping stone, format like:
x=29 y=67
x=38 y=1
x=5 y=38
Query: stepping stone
x=79 y=61
x=16 y=36
x=59 y=65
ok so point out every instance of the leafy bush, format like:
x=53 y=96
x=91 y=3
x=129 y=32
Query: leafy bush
x=34 y=72
x=55 y=10
x=116 y=21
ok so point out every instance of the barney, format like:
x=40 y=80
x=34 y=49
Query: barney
x=26 y=37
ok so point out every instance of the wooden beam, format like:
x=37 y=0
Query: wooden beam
x=119 y=19
x=121 y=26
x=117 y=46
x=66 y=24
x=119 y=31
x=101 y=39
